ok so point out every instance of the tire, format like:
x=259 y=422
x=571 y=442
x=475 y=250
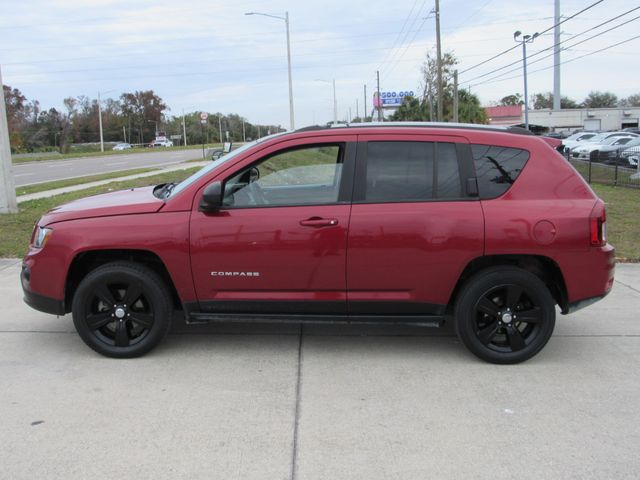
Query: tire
x=122 y=309
x=504 y=315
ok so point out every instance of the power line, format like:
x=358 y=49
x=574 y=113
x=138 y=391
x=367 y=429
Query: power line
x=498 y=79
x=540 y=33
x=415 y=2
x=559 y=43
x=406 y=35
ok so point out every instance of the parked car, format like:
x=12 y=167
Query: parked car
x=593 y=137
x=407 y=223
x=161 y=143
x=577 y=138
x=611 y=143
x=122 y=146
x=622 y=155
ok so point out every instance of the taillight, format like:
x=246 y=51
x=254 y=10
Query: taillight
x=598 y=225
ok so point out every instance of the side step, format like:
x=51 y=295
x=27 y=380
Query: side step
x=415 y=320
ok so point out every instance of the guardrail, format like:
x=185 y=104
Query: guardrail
x=620 y=167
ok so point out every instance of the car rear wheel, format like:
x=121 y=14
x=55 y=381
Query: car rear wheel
x=122 y=309
x=505 y=315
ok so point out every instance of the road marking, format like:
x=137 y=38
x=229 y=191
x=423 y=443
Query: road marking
x=59 y=164
x=23 y=174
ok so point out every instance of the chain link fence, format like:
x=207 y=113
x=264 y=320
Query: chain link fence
x=618 y=167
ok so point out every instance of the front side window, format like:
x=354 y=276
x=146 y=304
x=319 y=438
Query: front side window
x=300 y=176
x=497 y=168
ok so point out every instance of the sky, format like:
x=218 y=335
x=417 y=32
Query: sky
x=207 y=55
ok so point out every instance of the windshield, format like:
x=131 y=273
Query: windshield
x=204 y=170
x=610 y=140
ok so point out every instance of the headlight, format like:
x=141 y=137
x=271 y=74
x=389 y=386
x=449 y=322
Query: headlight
x=41 y=236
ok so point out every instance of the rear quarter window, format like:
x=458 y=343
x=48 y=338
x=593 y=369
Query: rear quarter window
x=497 y=168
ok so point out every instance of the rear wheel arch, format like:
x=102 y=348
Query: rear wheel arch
x=85 y=262
x=545 y=268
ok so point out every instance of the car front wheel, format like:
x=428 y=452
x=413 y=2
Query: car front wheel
x=505 y=315
x=122 y=309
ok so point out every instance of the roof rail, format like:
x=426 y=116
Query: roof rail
x=463 y=126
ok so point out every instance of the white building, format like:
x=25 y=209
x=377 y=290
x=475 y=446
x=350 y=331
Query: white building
x=586 y=118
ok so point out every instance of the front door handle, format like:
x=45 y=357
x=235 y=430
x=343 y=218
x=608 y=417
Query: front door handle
x=318 y=222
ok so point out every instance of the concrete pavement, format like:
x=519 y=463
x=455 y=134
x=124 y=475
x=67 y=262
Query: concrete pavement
x=47 y=171
x=84 y=186
x=264 y=402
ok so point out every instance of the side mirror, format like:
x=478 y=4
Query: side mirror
x=211 y=200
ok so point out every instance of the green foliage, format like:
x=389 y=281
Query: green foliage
x=424 y=108
x=545 y=100
x=630 y=101
x=513 y=99
x=599 y=99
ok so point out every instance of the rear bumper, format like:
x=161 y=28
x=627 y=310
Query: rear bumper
x=37 y=301
x=580 y=304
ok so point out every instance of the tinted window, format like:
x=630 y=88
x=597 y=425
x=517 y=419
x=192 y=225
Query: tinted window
x=301 y=176
x=448 y=172
x=399 y=171
x=497 y=168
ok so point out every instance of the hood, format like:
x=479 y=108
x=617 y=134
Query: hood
x=123 y=202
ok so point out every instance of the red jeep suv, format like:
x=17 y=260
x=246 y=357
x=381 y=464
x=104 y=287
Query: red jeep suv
x=410 y=223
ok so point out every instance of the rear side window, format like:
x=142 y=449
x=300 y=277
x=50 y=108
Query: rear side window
x=411 y=171
x=497 y=168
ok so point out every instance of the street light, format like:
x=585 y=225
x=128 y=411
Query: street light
x=525 y=39
x=335 y=102
x=286 y=21
x=100 y=119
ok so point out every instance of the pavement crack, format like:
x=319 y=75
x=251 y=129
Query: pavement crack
x=628 y=286
x=296 y=423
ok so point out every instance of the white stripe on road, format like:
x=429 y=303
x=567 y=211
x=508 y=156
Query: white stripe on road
x=23 y=174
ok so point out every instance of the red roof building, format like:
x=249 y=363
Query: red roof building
x=505 y=115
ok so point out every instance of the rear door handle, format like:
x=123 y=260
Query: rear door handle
x=318 y=222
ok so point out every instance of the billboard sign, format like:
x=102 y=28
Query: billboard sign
x=391 y=99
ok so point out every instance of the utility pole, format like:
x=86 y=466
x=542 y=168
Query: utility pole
x=100 y=123
x=439 y=61
x=365 y=102
x=293 y=126
x=124 y=133
x=556 y=56
x=357 y=110
x=379 y=99
x=184 y=129
x=335 y=104
x=455 y=96
x=8 y=203
x=220 y=127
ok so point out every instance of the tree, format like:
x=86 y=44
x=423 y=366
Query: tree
x=143 y=108
x=469 y=108
x=412 y=109
x=514 y=99
x=630 y=101
x=598 y=99
x=545 y=100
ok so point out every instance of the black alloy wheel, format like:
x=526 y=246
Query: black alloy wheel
x=122 y=309
x=505 y=315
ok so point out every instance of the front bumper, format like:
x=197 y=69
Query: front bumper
x=37 y=301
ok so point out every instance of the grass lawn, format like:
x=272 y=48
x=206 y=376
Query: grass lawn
x=66 y=156
x=623 y=220
x=43 y=187
x=16 y=228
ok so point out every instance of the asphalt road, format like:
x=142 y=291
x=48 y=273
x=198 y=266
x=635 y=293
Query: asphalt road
x=46 y=171
x=330 y=402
